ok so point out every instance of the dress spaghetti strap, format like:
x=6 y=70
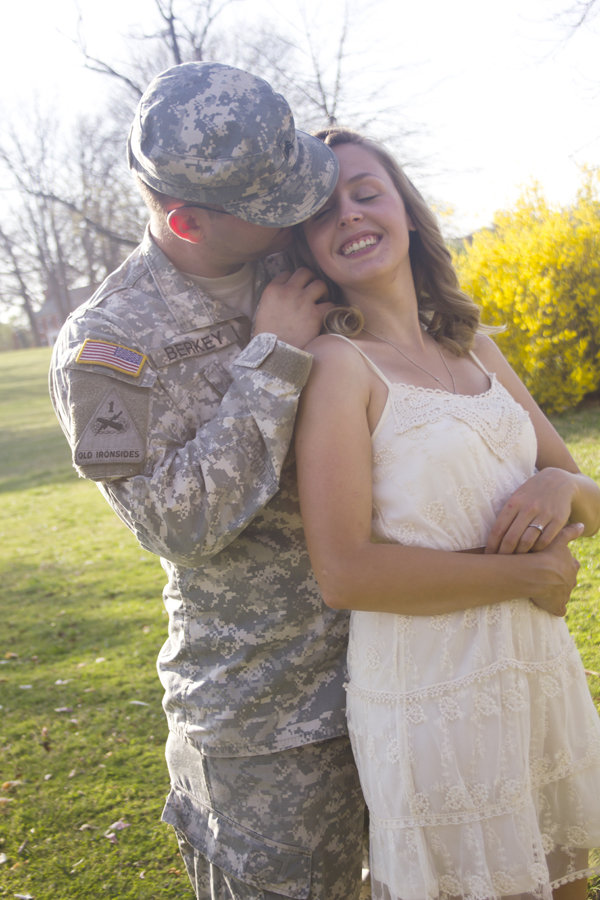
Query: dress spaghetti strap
x=389 y=384
x=478 y=363
x=367 y=359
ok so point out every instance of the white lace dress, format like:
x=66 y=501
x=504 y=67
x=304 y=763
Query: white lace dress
x=475 y=735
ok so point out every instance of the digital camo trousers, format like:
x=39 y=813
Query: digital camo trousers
x=287 y=824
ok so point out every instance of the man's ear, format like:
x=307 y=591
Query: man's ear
x=185 y=222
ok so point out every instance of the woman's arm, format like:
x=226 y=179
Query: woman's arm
x=557 y=494
x=333 y=449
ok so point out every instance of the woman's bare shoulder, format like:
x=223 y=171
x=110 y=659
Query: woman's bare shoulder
x=326 y=340
x=333 y=346
x=487 y=350
x=339 y=361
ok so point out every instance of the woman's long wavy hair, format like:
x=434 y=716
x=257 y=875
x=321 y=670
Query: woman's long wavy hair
x=448 y=314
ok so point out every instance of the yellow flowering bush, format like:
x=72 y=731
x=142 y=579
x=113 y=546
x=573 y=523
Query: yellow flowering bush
x=537 y=272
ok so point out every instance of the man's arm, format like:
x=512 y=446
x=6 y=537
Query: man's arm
x=196 y=488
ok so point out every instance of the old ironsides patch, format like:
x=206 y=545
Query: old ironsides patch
x=110 y=435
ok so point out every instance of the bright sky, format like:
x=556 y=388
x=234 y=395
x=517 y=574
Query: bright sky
x=499 y=92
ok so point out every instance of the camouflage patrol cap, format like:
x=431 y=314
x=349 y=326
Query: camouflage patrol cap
x=208 y=133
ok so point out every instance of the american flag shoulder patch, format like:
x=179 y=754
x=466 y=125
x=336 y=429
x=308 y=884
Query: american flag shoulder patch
x=115 y=356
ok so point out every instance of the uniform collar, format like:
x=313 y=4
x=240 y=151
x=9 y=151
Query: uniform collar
x=186 y=301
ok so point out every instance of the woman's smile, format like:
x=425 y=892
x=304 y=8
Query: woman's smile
x=358 y=244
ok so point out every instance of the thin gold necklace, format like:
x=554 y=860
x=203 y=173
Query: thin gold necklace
x=422 y=368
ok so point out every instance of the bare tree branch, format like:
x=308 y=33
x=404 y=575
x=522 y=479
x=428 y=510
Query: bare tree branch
x=170 y=19
x=96 y=226
x=584 y=9
x=578 y=15
x=17 y=273
x=99 y=65
x=337 y=89
x=103 y=68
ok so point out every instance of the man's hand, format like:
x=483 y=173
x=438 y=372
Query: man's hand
x=292 y=306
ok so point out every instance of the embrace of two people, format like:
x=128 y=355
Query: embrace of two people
x=313 y=431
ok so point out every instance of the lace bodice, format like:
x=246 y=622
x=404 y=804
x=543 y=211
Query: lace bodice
x=444 y=464
x=494 y=413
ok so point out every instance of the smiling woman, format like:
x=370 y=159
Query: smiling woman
x=363 y=227
x=417 y=447
x=358 y=223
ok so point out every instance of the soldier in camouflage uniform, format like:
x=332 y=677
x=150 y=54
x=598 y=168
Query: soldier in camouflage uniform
x=177 y=391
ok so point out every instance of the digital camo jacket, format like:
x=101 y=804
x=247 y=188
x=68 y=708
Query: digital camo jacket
x=186 y=426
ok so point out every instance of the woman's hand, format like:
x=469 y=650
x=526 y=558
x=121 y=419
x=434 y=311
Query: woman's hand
x=535 y=514
x=557 y=575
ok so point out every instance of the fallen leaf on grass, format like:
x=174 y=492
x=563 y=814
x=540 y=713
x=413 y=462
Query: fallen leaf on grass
x=116 y=826
x=120 y=825
x=10 y=785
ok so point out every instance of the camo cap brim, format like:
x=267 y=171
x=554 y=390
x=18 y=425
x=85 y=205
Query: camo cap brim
x=208 y=133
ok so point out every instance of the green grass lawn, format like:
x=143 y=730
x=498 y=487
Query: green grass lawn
x=82 y=777
x=83 y=732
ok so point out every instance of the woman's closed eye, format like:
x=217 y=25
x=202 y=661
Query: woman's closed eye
x=321 y=214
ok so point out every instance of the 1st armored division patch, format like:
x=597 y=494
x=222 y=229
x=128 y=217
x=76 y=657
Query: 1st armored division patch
x=111 y=436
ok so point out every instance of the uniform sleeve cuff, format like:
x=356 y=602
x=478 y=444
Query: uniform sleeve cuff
x=281 y=360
